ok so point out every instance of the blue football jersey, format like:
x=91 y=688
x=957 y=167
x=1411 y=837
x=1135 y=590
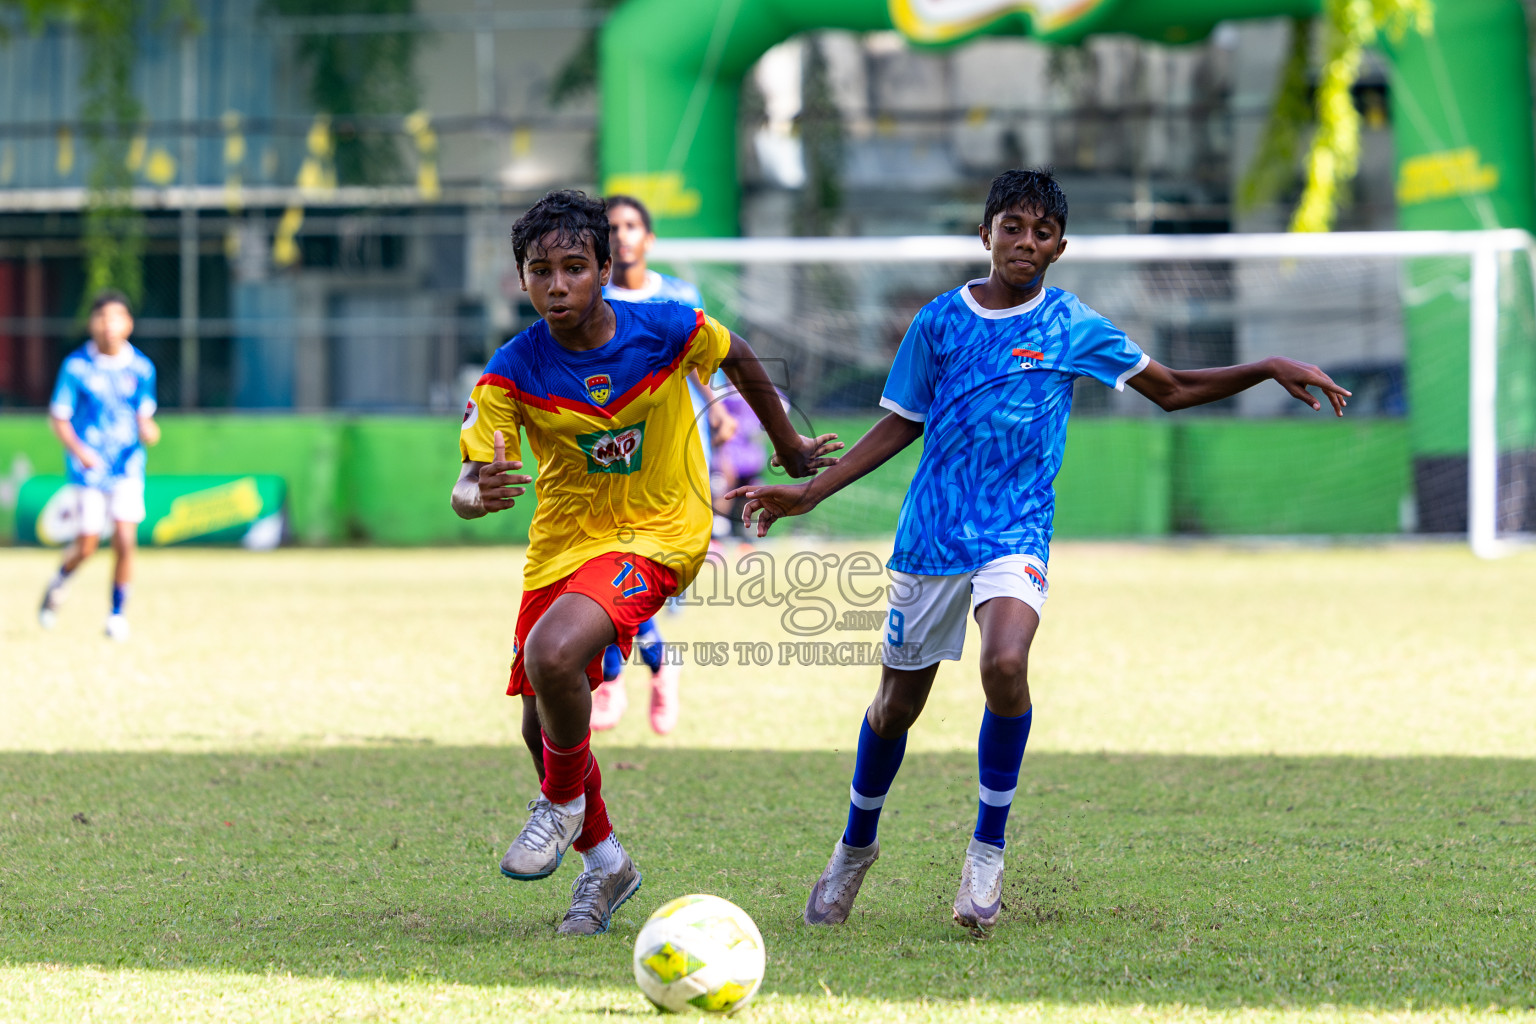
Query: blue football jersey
x=658 y=288
x=102 y=398
x=993 y=388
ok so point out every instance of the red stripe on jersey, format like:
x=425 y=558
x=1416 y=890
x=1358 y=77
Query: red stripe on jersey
x=554 y=403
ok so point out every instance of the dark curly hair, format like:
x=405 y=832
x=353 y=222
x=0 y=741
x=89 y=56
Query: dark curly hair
x=1027 y=190
x=633 y=204
x=109 y=297
x=572 y=217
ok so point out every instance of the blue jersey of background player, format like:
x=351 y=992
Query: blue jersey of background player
x=630 y=242
x=985 y=376
x=102 y=411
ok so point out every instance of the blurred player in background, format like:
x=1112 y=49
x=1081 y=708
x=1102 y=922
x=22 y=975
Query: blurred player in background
x=985 y=376
x=630 y=244
x=740 y=459
x=620 y=524
x=103 y=412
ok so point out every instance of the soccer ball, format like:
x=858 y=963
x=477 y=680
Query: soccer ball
x=699 y=953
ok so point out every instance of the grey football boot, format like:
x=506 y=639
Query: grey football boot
x=595 y=897
x=834 y=892
x=538 y=849
x=980 y=899
x=48 y=610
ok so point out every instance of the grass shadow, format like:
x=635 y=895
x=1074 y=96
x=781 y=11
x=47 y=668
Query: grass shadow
x=1131 y=879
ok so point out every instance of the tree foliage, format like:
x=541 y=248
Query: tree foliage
x=1334 y=156
x=110 y=114
x=356 y=76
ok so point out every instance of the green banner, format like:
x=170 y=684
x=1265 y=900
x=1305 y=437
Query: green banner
x=246 y=510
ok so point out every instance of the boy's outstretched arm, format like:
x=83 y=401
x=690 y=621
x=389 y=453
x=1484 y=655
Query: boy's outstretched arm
x=1179 y=389
x=886 y=438
x=485 y=487
x=799 y=455
x=65 y=432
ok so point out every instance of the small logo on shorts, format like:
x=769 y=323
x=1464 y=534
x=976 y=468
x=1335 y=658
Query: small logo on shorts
x=1036 y=577
x=1029 y=358
x=599 y=387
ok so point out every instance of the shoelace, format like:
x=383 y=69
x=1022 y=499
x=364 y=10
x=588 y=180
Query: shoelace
x=540 y=830
x=586 y=891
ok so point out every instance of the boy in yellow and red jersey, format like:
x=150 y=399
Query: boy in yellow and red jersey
x=623 y=518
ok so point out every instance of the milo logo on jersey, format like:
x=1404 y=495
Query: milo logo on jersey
x=613 y=451
x=944 y=21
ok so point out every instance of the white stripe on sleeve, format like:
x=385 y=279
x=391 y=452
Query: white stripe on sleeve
x=1141 y=364
x=906 y=414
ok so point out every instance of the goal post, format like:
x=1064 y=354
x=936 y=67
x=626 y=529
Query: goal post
x=1378 y=305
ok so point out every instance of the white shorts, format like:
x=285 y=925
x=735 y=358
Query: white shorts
x=121 y=501
x=927 y=617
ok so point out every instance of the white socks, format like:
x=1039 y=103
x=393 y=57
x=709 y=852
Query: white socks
x=577 y=806
x=605 y=858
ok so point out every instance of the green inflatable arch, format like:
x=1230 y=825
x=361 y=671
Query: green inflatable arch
x=1461 y=102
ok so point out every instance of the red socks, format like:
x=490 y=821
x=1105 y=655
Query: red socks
x=596 y=827
x=565 y=770
x=570 y=772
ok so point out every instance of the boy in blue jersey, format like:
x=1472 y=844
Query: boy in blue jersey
x=985 y=376
x=630 y=240
x=103 y=411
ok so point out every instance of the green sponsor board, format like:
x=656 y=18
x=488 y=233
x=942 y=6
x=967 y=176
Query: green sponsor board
x=244 y=510
x=613 y=451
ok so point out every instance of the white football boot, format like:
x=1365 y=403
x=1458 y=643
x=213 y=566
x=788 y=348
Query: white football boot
x=980 y=900
x=538 y=849
x=834 y=892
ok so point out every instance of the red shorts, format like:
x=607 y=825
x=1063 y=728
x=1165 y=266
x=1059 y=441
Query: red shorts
x=630 y=588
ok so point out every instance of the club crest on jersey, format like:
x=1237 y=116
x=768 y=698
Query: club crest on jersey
x=599 y=387
x=1029 y=358
x=613 y=451
x=471 y=414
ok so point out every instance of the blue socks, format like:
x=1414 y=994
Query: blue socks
x=648 y=638
x=119 y=598
x=873 y=772
x=999 y=751
x=613 y=663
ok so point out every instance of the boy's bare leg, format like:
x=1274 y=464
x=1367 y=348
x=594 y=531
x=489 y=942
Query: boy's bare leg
x=125 y=548
x=533 y=738
x=573 y=632
x=569 y=637
x=81 y=548
x=1008 y=629
x=900 y=699
x=566 y=639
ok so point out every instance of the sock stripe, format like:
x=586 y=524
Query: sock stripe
x=997 y=797
x=865 y=803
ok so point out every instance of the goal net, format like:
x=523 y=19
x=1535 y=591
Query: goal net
x=1434 y=332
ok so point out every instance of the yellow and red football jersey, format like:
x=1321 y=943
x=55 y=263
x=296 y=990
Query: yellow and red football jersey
x=620 y=465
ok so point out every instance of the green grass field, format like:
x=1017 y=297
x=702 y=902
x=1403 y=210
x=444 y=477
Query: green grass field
x=1264 y=784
